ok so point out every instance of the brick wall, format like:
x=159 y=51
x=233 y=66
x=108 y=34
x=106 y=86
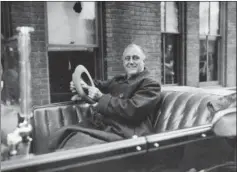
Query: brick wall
x=192 y=44
x=125 y=22
x=137 y=22
x=33 y=14
x=231 y=44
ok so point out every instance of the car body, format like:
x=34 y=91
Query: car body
x=197 y=147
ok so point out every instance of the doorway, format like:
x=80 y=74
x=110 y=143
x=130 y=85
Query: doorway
x=61 y=68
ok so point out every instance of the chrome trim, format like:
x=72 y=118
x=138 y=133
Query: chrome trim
x=156 y=145
x=222 y=113
x=74 y=153
x=24 y=50
x=139 y=148
x=203 y=135
x=179 y=133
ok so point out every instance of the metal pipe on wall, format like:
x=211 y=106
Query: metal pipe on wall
x=24 y=49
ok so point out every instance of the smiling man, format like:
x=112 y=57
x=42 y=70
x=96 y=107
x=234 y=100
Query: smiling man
x=134 y=64
x=124 y=107
x=126 y=99
x=133 y=60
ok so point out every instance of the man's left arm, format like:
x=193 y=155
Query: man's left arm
x=136 y=108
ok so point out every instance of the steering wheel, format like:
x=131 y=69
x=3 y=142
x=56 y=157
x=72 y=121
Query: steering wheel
x=77 y=78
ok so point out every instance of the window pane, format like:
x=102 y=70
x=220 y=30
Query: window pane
x=208 y=59
x=203 y=60
x=6 y=23
x=169 y=17
x=203 y=18
x=73 y=27
x=214 y=18
x=212 y=59
x=169 y=59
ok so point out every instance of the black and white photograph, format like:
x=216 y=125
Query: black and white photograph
x=118 y=86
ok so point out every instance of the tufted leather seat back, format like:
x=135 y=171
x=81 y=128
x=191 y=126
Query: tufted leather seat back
x=180 y=110
x=49 y=118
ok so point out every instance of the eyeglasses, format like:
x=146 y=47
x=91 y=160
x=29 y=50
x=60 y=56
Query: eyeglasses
x=134 y=57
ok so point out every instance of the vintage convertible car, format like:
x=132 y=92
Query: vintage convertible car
x=188 y=135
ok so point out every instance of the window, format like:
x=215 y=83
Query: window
x=209 y=34
x=172 y=15
x=6 y=26
x=77 y=24
x=72 y=40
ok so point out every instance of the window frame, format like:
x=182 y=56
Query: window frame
x=73 y=47
x=7 y=21
x=221 y=52
x=181 y=38
x=98 y=47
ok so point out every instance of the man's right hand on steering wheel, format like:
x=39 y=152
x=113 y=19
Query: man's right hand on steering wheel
x=73 y=90
x=93 y=92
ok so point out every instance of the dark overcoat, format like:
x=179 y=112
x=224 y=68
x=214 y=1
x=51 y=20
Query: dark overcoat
x=128 y=104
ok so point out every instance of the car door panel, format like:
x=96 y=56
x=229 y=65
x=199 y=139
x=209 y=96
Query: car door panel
x=184 y=149
x=88 y=158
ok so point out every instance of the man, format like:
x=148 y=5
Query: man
x=124 y=107
x=169 y=65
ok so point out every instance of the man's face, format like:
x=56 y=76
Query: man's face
x=133 y=60
x=169 y=48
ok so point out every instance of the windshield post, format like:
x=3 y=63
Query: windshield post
x=24 y=49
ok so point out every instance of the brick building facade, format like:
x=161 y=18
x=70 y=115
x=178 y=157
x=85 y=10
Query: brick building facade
x=33 y=14
x=123 y=23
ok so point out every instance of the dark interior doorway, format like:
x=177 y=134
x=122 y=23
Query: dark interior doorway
x=61 y=68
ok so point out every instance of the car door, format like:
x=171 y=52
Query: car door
x=117 y=156
x=191 y=148
x=171 y=151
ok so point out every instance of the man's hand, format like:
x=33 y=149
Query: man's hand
x=94 y=93
x=73 y=88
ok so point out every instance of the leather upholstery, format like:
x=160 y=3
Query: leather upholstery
x=177 y=110
x=49 y=118
x=180 y=110
x=225 y=126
